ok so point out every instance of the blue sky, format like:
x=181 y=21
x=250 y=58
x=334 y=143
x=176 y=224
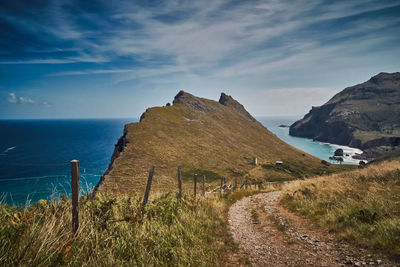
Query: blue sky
x=96 y=59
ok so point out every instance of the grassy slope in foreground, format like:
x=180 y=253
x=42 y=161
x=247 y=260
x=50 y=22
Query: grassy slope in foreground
x=205 y=137
x=115 y=231
x=362 y=205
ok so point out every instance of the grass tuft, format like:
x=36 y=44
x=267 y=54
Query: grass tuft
x=362 y=206
x=115 y=231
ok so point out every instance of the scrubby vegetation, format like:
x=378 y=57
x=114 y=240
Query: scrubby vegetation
x=116 y=231
x=206 y=138
x=361 y=206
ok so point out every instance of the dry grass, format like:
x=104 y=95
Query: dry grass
x=116 y=231
x=217 y=143
x=361 y=206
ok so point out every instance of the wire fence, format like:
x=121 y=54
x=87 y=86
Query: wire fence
x=22 y=189
x=79 y=176
x=89 y=180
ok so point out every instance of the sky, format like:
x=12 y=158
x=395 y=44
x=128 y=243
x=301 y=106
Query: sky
x=110 y=59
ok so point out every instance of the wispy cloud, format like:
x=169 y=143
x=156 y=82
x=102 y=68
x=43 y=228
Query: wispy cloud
x=37 y=61
x=46 y=104
x=205 y=36
x=23 y=100
x=12 y=98
x=253 y=45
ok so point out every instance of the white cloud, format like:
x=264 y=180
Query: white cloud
x=220 y=40
x=12 y=98
x=83 y=58
x=298 y=47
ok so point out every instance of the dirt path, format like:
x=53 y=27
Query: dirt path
x=271 y=236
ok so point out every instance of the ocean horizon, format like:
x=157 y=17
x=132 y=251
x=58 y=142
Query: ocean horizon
x=35 y=154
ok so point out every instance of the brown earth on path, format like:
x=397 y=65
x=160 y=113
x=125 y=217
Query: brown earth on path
x=272 y=236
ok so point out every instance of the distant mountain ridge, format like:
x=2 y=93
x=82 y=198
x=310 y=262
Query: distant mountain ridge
x=366 y=116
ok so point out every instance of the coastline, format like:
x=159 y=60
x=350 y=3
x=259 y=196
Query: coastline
x=350 y=151
x=321 y=150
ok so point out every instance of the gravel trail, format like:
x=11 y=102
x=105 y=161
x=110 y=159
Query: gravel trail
x=271 y=236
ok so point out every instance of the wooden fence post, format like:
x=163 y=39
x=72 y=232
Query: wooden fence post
x=235 y=185
x=204 y=185
x=245 y=183
x=255 y=161
x=225 y=182
x=179 y=182
x=75 y=195
x=149 y=180
x=195 y=185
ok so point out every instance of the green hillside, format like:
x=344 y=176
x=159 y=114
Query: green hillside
x=207 y=138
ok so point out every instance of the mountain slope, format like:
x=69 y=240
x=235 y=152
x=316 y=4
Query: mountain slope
x=365 y=116
x=207 y=138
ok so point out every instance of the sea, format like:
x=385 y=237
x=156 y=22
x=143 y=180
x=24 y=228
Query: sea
x=35 y=155
x=318 y=149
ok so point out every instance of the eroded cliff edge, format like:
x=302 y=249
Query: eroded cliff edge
x=366 y=116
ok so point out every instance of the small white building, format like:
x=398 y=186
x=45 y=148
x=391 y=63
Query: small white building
x=278 y=162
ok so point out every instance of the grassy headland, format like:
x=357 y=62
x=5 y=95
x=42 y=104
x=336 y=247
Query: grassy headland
x=208 y=138
x=204 y=137
x=362 y=206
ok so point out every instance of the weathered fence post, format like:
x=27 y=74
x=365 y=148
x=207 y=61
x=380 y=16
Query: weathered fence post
x=195 y=185
x=235 y=185
x=255 y=161
x=245 y=183
x=179 y=182
x=149 y=180
x=225 y=182
x=75 y=195
x=204 y=185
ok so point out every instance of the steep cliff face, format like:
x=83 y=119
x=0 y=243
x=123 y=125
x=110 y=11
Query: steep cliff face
x=206 y=138
x=364 y=116
x=118 y=149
